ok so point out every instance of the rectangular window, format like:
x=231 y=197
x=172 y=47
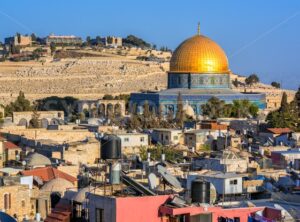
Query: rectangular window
x=126 y=139
x=233 y=182
x=142 y=139
x=46 y=206
x=99 y=215
x=175 y=137
x=167 y=137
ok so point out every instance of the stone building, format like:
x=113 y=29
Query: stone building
x=112 y=41
x=15 y=200
x=101 y=107
x=20 y=199
x=8 y=151
x=45 y=118
x=18 y=40
x=63 y=40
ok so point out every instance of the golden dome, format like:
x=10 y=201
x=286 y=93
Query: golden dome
x=199 y=54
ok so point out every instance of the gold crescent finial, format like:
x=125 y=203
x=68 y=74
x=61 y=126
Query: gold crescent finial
x=198 y=31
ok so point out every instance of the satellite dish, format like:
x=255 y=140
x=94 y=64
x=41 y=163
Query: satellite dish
x=153 y=181
x=213 y=194
x=168 y=177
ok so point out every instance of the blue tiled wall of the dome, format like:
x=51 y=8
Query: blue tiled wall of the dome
x=169 y=101
x=198 y=81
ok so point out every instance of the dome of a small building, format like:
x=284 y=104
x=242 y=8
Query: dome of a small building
x=189 y=111
x=80 y=196
x=57 y=185
x=245 y=154
x=36 y=159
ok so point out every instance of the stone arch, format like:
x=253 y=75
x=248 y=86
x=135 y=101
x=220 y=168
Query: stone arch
x=23 y=122
x=86 y=113
x=109 y=110
x=85 y=106
x=44 y=123
x=93 y=110
x=55 y=198
x=54 y=121
x=118 y=110
x=101 y=110
x=31 y=124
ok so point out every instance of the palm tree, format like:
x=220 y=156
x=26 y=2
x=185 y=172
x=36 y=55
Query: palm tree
x=213 y=108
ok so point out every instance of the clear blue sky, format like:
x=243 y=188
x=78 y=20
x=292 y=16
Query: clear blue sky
x=259 y=36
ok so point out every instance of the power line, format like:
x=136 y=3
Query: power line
x=263 y=35
x=17 y=22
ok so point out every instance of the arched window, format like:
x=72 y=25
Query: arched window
x=23 y=203
x=7 y=201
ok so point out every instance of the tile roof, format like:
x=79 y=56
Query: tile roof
x=279 y=130
x=48 y=173
x=9 y=145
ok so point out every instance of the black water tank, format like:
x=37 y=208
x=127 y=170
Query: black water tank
x=200 y=191
x=110 y=147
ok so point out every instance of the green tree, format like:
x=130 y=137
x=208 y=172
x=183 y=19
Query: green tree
x=67 y=104
x=160 y=115
x=253 y=110
x=14 y=49
x=241 y=108
x=52 y=48
x=21 y=104
x=125 y=97
x=227 y=112
x=108 y=97
x=88 y=40
x=19 y=37
x=286 y=116
x=275 y=84
x=99 y=40
x=252 y=79
x=35 y=120
x=235 y=82
x=284 y=103
x=33 y=37
x=213 y=108
x=1 y=115
x=37 y=53
x=244 y=108
x=132 y=40
x=146 y=110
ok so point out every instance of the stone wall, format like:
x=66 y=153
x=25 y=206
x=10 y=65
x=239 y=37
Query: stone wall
x=58 y=136
x=87 y=77
x=84 y=153
x=46 y=117
x=20 y=203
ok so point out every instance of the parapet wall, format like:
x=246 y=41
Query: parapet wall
x=58 y=136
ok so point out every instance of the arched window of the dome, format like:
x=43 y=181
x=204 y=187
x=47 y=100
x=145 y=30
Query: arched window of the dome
x=201 y=81
x=212 y=80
